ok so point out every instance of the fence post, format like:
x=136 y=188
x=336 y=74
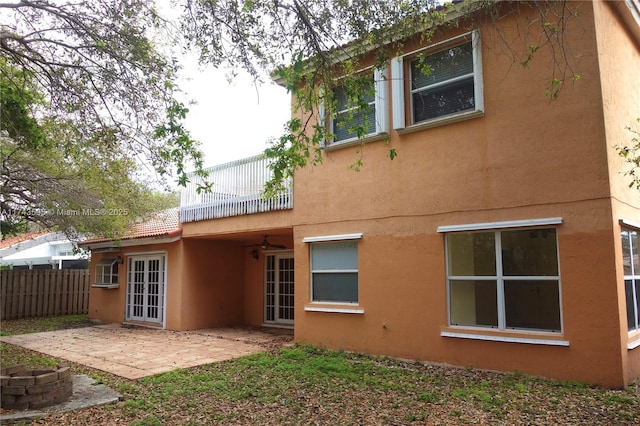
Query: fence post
x=4 y=277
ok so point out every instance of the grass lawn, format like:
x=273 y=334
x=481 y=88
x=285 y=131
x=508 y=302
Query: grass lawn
x=308 y=385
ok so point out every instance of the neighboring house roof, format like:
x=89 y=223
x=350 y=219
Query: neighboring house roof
x=16 y=239
x=161 y=225
x=37 y=248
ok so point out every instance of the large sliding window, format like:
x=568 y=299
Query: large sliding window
x=505 y=279
x=631 y=263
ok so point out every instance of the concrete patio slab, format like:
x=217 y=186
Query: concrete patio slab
x=135 y=352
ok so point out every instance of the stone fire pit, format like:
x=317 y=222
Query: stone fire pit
x=23 y=388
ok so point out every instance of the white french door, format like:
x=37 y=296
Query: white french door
x=279 y=288
x=145 y=288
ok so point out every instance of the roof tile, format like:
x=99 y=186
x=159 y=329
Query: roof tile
x=161 y=224
x=8 y=242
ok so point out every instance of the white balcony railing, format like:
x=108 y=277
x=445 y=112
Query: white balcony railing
x=237 y=190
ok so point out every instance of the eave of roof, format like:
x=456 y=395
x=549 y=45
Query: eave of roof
x=456 y=10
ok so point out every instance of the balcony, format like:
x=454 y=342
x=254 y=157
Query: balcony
x=237 y=190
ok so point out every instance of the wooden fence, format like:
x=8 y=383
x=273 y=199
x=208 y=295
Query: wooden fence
x=42 y=292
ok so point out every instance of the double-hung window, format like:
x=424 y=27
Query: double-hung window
x=359 y=108
x=334 y=272
x=107 y=273
x=631 y=262
x=440 y=84
x=355 y=112
x=506 y=279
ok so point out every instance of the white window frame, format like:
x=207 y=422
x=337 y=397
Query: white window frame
x=331 y=239
x=634 y=276
x=102 y=266
x=499 y=278
x=381 y=109
x=399 y=85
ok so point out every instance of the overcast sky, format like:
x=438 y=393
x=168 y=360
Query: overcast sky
x=232 y=120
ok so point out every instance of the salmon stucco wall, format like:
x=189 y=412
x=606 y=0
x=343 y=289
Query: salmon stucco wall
x=108 y=305
x=262 y=222
x=619 y=62
x=253 y=288
x=212 y=292
x=526 y=158
x=210 y=283
x=402 y=292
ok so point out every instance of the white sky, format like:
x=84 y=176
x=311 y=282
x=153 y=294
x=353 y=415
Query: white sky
x=232 y=120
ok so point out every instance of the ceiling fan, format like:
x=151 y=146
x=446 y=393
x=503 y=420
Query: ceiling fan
x=265 y=244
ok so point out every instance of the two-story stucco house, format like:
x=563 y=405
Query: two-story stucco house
x=503 y=236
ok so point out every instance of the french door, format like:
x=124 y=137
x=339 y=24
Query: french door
x=279 y=288
x=145 y=288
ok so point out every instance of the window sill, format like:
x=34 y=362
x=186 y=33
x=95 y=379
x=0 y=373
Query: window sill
x=634 y=340
x=105 y=285
x=332 y=146
x=505 y=338
x=342 y=309
x=467 y=115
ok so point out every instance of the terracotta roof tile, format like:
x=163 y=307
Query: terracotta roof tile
x=162 y=224
x=20 y=238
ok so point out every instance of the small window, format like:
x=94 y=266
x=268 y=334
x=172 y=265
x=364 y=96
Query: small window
x=507 y=280
x=631 y=264
x=355 y=115
x=334 y=272
x=359 y=108
x=438 y=84
x=107 y=272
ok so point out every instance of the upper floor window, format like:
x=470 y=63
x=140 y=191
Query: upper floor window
x=440 y=84
x=360 y=108
x=631 y=262
x=107 y=272
x=355 y=111
x=506 y=279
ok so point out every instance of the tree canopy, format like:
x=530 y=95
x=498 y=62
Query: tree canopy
x=631 y=154
x=89 y=88
x=88 y=101
x=57 y=177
